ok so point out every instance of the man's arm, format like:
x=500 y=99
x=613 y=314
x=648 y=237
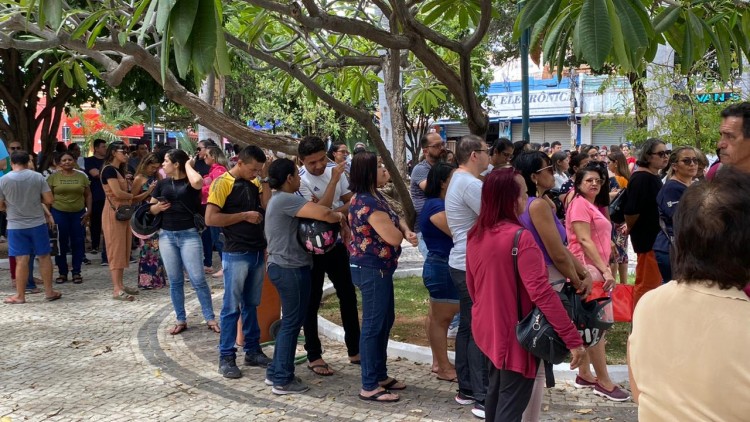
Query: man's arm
x=216 y=218
x=3 y=207
x=47 y=198
x=327 y=199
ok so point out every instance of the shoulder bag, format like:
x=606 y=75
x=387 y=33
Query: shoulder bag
x=123 y=212
x=198 y=220
x=617 y=207
x=535 y=334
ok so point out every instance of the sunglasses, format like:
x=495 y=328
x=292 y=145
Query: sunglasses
x=594 y=181
x=15 y=148
x=661 y=154
x=689 y=161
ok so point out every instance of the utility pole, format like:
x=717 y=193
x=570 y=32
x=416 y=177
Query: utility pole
x=524 y=47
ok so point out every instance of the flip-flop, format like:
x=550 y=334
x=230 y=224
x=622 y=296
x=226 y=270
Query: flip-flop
x=12 y=300
x=61 y=280
x=213 y=327
x=390 y=385
x=322 y=374
x=58 y=295
x=454 y=379
x=77 y=279
x=131 y=291
x=375 y=397
x=355 y=362
x=124 y=297
x=178 y=328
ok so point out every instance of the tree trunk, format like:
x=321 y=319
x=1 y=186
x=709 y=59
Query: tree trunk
x=640 y=99
x=393 y=94
x=212 y=92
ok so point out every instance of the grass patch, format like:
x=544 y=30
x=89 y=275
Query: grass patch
x=412 y=304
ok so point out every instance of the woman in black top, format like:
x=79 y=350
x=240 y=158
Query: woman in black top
x=642 y=214
x=179 y=198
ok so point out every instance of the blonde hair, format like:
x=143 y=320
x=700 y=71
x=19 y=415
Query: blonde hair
x=218 y=155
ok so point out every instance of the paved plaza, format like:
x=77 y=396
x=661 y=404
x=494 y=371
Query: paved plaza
x=88 y=357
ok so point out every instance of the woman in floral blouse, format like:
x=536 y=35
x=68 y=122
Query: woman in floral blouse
x=375 y=246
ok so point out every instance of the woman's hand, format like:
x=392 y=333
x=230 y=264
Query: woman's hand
x=609 y=280
x=152 y=186
x=584 y=285
x=85 y=218
x=50 y=220
x=159 y=207
x=411 y=237
x=577 y=355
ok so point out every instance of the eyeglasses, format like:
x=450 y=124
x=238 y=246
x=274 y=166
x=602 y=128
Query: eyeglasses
x=689 y=161
x=594 y=181
x=661 y=154
x=438 y=146
x=545 y=168
x=345 y=152
x=120 y=150
x=594 y=155
x=14 y=148
x=482 y=150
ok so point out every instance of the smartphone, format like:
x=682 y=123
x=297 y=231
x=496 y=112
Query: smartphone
x=161 y=199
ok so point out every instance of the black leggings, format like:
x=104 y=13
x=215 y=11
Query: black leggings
x=507 y=395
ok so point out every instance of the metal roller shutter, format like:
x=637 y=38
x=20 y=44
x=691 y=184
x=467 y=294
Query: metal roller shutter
x=608 y=133
x=455 y=131
x=541 y=132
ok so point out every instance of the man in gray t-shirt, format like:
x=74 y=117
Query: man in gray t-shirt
x=433 y=148
x=462 y=202
x=22 y=192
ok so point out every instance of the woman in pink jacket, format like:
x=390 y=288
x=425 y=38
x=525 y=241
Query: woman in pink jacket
x=492 y=286
x=217 y=161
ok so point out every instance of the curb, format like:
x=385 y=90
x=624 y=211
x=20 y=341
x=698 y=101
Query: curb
x=422 y=354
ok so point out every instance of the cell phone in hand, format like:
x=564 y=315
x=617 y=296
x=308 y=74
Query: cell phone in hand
x=161 y=199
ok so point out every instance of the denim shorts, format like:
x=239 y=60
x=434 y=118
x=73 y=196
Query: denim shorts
x=437 y=279
x=33 y=241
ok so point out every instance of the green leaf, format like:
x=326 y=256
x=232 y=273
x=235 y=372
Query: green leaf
x=437 y=13
x=136 y=18
x=165 y=52
x=95 y=33
x=163 y=14
x=182 y=19
x=633 y=31
x=94 y=71
x=686 y=53
x=67 y=76
x=618 y=41
x=80 y=75
x=203 y=38
x=52 y=13
x=84 y=26
x=223 y=65
x=595 y=29
x=531 y=12
x=182 y=55
x=666 y=18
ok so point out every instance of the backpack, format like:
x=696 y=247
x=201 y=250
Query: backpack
x=617 y=207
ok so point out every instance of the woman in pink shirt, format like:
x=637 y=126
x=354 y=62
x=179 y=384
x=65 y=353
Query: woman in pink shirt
x=217 y=161
x=494 y=292
x=590 y=241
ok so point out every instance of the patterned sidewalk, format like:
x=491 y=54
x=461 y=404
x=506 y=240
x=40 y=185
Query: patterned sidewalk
x=88 y=357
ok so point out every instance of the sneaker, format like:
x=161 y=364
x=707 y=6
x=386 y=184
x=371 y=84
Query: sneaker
x=86 y=261
x=3 y=239
x=453 y=327
x=257 y=359
x=616 y=394
x=268 y=382
x=582 y=383
x=294 y=387
x=478 y=410
x=104 y=264
x=133 y=260
x=94 y=251
x=464 y=398
x=228 y=368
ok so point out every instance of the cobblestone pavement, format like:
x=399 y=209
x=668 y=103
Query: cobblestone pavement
x=88 y=357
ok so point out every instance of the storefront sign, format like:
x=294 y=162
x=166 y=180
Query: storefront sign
x=554 y=101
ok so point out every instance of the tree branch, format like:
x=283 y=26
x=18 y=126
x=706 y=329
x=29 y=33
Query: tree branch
x=484 y=23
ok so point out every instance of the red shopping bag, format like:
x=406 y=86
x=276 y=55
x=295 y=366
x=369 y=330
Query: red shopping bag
x=622 y=299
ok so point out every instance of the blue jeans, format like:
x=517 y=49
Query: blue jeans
x=182 y=249
x=243 y=284
x=71 y=235
x=293 y=285
x=378 y=314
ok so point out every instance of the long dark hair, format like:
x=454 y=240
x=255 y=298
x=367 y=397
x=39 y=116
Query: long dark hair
x=110 y=155
x=438 y=174
x=178 y=157
x=529 y=163
x=363 y=177
x=279 y=171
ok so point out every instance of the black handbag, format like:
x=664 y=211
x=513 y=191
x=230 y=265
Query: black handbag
x=123 y=212
x=617 y=207
x=534 y=332
x=198 y=221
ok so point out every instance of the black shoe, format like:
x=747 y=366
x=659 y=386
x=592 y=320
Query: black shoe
x=94 y=251
x=86 y=261
x=228 y=368
x=257 y=359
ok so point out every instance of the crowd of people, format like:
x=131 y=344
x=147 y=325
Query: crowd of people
x=482 y=210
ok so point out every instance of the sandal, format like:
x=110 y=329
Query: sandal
x=54 y=297
x=62 y=279
x=323 y=367
x=213 y=326
x=391 y=385
x=178 y=328
x=124 y=297
x=130 y=290
x=13 y=300
x=377 y=397
x=77 y=279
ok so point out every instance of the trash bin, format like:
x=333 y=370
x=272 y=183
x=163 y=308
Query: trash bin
x=269 y=310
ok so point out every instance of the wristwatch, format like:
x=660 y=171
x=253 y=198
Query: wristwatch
x=264 y=180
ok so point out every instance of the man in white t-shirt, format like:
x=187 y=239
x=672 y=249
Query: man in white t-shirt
x=462 y=204
x=324 y=182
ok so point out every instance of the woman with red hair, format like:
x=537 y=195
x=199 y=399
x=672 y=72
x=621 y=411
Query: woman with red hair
x=493 y=287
